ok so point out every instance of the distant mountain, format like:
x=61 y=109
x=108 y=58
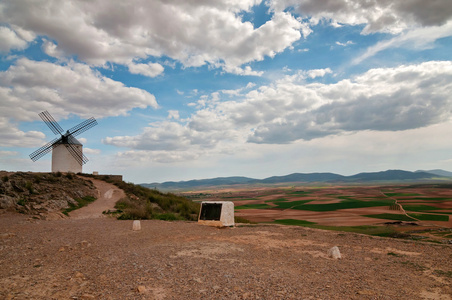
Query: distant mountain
x=390 y=175
x=438 y=172
x=201 y=182
x=303 y=177
x=384 y=176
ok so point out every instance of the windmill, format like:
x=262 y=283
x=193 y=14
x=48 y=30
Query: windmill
x=67 y=151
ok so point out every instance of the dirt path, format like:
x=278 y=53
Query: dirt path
x=108 y=195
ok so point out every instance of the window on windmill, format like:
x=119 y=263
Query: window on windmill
x=211 y=211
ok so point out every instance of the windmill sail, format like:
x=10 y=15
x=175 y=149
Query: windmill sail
x=50 y=121
x=43 y=150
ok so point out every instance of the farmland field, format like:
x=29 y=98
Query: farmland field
x=335 y=207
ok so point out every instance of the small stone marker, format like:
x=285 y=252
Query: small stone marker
x=136 y=225
x=334 y=253
x=217 y=213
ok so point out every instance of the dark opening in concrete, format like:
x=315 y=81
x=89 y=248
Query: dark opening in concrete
x=211 y=211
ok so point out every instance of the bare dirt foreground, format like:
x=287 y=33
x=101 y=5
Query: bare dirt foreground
x=102 y=258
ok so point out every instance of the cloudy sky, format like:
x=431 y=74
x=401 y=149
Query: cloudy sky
x=200 y=89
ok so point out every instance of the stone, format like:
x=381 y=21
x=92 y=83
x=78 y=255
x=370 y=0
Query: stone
x=334 y=253
x=141 y=289
x=136 y=225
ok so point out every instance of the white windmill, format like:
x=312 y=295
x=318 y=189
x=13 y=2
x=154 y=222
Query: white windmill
x=67 y=151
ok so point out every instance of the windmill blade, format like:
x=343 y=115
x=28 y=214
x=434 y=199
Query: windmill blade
x=43 y=150
x=77 y=154
x=51 y=123
x=82 y=127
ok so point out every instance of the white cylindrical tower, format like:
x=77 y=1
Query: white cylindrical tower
x=63 y=160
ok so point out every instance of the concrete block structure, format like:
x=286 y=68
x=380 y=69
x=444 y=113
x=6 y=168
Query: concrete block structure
x=217 y=213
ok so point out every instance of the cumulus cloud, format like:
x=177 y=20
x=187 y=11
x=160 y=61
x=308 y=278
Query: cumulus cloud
x=194 y=32
x=10 y=40
x=28 y=87
x=389 y=99
x=319 y=73
x=385 y=99
x=378 y=16
x=13 y=137
x=149 y=69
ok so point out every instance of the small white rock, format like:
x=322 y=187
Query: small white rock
x=136 y=225
x=334 y=253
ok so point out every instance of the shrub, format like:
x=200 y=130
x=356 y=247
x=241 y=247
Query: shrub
x=29 y=187
x=5 y=178
x=37 y=179
x=70 y=176
x=22 y=201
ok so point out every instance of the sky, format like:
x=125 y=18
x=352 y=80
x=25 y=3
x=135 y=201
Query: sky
x=200 y=89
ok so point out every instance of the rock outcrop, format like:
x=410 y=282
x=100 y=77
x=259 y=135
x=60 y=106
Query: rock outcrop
x=41 y=194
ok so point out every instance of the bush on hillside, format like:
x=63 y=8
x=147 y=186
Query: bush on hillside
x=144 y=203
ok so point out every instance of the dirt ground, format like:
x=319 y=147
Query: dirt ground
x=103 y=258
x=88 y=256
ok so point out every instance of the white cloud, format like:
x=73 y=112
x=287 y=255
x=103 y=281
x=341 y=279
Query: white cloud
x=29 y=87
x=13 y=137
x=91 y=151
x=9 y=40
x=173 y=114
x=379 y=16
x=194 y=33
x=8 y=153
x=51 y=49
x=344 y=44
x=149 y=69
x=318 y=72
x=380 y=100
x=418 y=38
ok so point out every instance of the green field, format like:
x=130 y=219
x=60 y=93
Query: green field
x=397 y=217
x=291 y=205
x=402 y=194
x=428 y=217
x=344 y=204
x=253 y=206
x=420 y=208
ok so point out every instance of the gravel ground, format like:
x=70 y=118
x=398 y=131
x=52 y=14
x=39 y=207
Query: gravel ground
x=103 y=258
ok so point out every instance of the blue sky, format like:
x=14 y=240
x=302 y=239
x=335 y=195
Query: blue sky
x=193 y=89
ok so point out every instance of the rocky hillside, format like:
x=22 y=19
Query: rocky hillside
x=42 y=194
